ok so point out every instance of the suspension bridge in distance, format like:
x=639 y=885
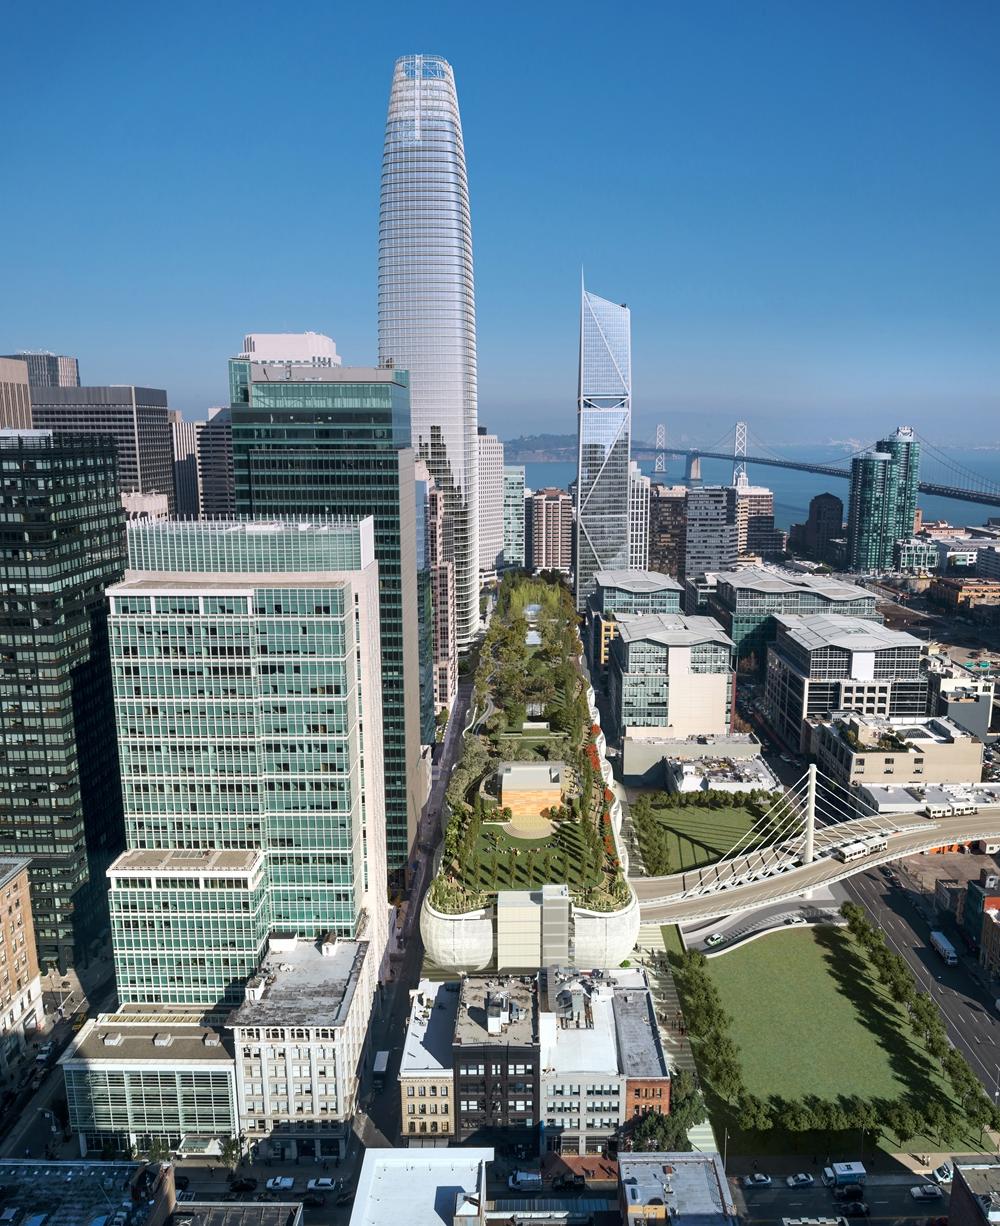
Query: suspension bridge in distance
x=811 y=836
x=975 y=489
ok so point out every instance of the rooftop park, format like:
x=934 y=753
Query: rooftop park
x=531 y=704
x=852 y=1043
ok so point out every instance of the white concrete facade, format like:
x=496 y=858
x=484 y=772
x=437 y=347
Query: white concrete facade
x=489 y=450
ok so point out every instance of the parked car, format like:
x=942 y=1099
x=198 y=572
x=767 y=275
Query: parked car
x=324 y=1185
x=280 y=1183
x=801 y=1180
x=926 y=1191
x=757 y=1180
x=715 y=939
x=244 y=1184
x=942 y=1173
x=855 y=1208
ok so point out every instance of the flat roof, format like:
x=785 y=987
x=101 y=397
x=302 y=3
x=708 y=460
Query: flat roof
x=275 y=1213
x=840 y=630
x=639 y=1045
x=692 y=1187
x=275 y=371
x=775 y=580
x=185 y=860
x=417 y=1185
x=302 y=986
x=531 y=774
x=983 y=1182
x=11 y=867
x=209 y=583
x=671 y=629
x=481 y=993
x=637 y=581
x=108 y=1038
x=75 y=1193
x=931 y=729
x=431 y=1028
x=576 y=1023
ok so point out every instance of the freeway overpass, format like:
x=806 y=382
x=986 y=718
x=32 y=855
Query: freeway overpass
x=750 y=881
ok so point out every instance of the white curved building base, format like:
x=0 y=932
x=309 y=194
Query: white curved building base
x=605 y=938
x=457 y=942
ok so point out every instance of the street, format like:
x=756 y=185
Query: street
x=887 y=1197
x=967 y=1009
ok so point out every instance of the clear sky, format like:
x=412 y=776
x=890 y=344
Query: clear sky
x=799 y=200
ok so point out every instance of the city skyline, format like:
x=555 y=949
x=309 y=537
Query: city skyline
x=768 y=269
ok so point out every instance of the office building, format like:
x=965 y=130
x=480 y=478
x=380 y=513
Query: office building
x=136 y=417
x=746 y=602
x=638 y=518
x=981 y=897
x=668 y=529
x=184 y=448
x=48 y=369
x=15 y=395
x=425 y=606
x=959 y=693
x=426 y=299
x=489 y=451
x=604 y=429
x=60 y=798
x=988 y=562
x=915 y=555
x=513 y=517
x=964 y=595
x=904 y=450
x=552 y=530
x=252 y=770
x=333 y=440
x=426 y=1077
x=437 y=540
x=21 y=1011
x=711 y=537
x=975 y=1192
x=685 y=1188
x=824 y=525
x=865 y=750
x=399 y=1185
x=624 y=591
x=300 y=1039
x=496 y=1061
x=670 y=676
x=823 y=663
x=215 y=464
x=291 y=349
x=755 y=530
x=138 y=1075
x=145 y=506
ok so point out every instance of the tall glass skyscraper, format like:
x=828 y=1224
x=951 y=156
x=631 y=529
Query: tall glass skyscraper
x=883 y=503
x=604 y=422
x=426 y=300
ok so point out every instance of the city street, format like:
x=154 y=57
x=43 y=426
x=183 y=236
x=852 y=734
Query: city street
x=888 y=1199
x=968 y=1010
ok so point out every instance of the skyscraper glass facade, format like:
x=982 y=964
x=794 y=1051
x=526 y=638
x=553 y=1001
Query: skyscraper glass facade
x=871 y=515
x=904 y=448
x=513 y=517
x=248 y=702
x=604 y=423
x=62 y=542
x=337 y=442
x=426 y=301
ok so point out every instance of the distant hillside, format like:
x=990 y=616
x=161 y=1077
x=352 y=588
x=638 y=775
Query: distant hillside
x=533 y=448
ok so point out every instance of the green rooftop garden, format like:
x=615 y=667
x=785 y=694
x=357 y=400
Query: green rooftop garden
x=515 y=683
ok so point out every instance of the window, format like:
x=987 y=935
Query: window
x=409 y=1091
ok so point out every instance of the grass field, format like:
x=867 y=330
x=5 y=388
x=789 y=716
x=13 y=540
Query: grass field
x=506 y=863
x=810 y=1018
x=700 y=836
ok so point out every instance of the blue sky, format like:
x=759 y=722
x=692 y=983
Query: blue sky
x=800 y=201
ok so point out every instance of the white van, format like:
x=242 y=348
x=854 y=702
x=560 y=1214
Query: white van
x=525 y=1181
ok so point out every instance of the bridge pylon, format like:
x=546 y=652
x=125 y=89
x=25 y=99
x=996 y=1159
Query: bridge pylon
x=809 y=851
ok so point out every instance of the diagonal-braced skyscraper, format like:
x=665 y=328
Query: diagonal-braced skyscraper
x=426 y=300
x=604 y=423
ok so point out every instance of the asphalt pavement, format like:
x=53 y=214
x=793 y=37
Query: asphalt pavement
x=968 y=1010
x=888 y=1200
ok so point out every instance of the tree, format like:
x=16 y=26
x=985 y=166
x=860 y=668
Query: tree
x=158 y=1150
x=231 y=1153
x=754 y=1113
x=902 y=1119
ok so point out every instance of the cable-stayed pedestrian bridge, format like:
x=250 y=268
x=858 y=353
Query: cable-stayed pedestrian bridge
x=812 y=835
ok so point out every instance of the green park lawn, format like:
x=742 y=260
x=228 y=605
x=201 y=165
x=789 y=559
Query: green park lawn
x=810 y=1018
x=700 y=836
x=562 y=856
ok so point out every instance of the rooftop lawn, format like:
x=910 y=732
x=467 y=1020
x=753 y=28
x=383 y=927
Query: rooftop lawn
x=700 y=836
x=505 y=863
x=810 y=1018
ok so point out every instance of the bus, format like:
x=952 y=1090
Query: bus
x=861 y=848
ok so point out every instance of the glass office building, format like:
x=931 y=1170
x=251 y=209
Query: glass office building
x=336 y=441
x=604 y=422
x=248 y=700
x=513 y=517
x=426 y=299
x=62 y=542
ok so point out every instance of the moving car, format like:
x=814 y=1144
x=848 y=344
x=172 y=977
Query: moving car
x=280 y=1183
x=926 y=1191
x=796 y=919
x=801 y=1180
x=757 y=1180
x=942 y=1173
x=715 y=939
